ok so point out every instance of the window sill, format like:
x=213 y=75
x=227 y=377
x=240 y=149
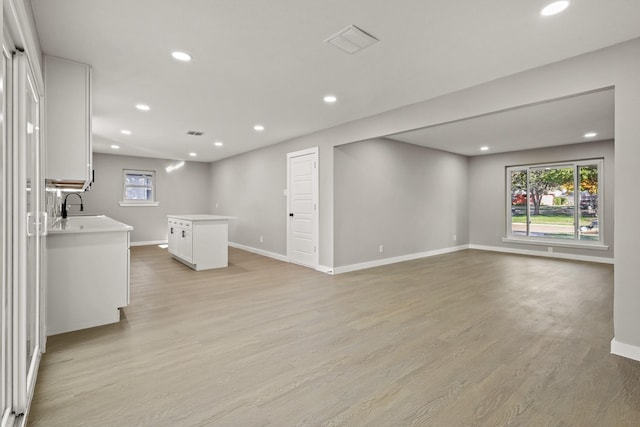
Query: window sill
x=139 y=203
x=557 y=243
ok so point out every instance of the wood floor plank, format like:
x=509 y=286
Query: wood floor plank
x=468 y=338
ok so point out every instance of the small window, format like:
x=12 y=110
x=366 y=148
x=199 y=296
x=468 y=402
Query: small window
x=555 y=202
x=138 y=188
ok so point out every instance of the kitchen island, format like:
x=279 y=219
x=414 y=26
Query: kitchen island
x=87 y=272
x=199 y=241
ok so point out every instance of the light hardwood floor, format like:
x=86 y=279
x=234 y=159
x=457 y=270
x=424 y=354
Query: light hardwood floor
x=469 y=338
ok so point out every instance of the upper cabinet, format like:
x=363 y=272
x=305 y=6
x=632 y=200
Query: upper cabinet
x=68 y=122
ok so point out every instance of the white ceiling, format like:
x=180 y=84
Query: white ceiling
x=557 y=122
x=259 y=61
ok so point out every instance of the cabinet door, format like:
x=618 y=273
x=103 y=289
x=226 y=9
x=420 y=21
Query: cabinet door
x=186 y=245
x=172 y=237
x=68 y=115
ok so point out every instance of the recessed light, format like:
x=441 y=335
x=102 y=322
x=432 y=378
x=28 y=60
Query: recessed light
x=143 y=107
x=258 y=128
x=181 y=56
x=193 y=154
x=555 y=7
x=590 y=135
x=485 y=148
x=218 y=144
x=330 y=99
x=125 y=132
x=115 y=147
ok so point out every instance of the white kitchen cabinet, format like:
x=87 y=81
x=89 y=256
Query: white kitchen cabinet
x=87 y=272
x=181 y=239
x=199 y=241
x=68 y=122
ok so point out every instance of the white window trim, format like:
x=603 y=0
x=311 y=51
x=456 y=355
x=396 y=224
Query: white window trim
x=556 y=243
x=551 y=242
x=139 y=204
x=142 y=203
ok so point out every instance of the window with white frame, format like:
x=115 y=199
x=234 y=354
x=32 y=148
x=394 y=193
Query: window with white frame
x=138 y=188
x=559 y=202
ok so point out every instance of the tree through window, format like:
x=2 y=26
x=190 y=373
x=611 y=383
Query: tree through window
x=555 y=201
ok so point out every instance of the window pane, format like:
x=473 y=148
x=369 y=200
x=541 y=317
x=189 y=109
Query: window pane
x=137 y=179
x=137 y=193
x=551 y=202
x=588 y=195
x=519 y=202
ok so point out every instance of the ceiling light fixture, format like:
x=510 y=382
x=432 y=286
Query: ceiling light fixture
x=218 y=144
x=485 y=148
x=258 y=128
x=115 y=147
x=181 y=56
x=330 y=99
x=590 y=135
x=125 y=132
x=193 y=154
x=554 y=8
x=143 y=107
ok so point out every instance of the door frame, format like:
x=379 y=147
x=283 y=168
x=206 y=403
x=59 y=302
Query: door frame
x=6 y=358
x=316 y=214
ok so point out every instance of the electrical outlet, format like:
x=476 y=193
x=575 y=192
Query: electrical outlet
x=455 y=238
x=217 y=205
x=381 y=248
x=261 y=239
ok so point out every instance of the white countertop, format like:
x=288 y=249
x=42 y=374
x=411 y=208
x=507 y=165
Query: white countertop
x=87 y=224
x=201 y=217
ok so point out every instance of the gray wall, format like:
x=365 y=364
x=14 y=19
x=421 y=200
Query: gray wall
x=184 y=190
x=487 y=193
x=615 y=66
x=408 y=198
x=251 y=187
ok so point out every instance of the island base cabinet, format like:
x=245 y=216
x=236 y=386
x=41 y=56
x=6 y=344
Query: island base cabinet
x=87 y=280
x=200 y=244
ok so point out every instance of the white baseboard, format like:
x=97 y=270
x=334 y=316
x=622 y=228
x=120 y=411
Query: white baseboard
x=324 y=269
x=148 y=243
x=625 y=350
x=259 y=252
x=401 y=258
x=283 y=258
x=560 y=255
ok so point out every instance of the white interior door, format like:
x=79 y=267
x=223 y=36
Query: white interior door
x=302 y=201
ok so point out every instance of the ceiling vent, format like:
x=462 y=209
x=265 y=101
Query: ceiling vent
x=351 y=40
x=195 y=133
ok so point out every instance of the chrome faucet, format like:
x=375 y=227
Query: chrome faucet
x=64 y=204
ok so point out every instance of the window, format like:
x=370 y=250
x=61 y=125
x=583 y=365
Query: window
x=138 y=188
x=555 y=203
